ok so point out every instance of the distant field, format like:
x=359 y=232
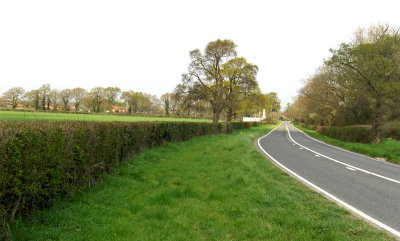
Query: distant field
x=41 y=116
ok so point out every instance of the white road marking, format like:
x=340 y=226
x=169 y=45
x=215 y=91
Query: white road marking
x=334 y=198
x=354 y=153
x=345 y=164
x=301 y=148
x=351 y=169
x=316 y=155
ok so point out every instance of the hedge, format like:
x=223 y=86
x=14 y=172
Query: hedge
x=44 y=161
x=362 y=134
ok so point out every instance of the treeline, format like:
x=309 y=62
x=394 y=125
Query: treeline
x=98 y=99
x=112 y=99
x=359 y=84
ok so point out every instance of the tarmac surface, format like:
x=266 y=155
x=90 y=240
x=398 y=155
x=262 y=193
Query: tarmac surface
x=366 y=186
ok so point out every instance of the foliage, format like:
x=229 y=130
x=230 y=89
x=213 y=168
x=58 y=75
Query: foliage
x=44 y=161
x=13 y=96
x=66 y=96
x=219 y=77
x=391 y=130
x=79 y=95
x=359 y=83
x=256 y=102
x=360 y=134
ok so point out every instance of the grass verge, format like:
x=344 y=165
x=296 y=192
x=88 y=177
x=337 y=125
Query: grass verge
x=208 y=188
x=388 y=148
x=39 y=116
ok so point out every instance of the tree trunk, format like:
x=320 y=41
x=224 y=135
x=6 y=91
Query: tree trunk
x=44 y=103
x=229 y=114
x=216 y=114
x=378 y=122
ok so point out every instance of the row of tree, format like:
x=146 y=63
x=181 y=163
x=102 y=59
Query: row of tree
x=218 y=83
x=358 y=84
x=97 y=99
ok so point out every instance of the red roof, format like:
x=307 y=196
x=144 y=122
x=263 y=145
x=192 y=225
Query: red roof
x=118 y=108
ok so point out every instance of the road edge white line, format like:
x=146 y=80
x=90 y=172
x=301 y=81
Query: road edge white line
x=320 y=190
x=345 y=164
x=339 y=148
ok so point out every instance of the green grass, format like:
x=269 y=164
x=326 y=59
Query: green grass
x=39 y=116
x=388 y=149
x=209 y=188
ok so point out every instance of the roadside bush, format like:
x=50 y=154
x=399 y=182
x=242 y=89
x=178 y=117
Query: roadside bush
x=391 y=130
x=311 y=127
x=362 y=134
x=41 y=162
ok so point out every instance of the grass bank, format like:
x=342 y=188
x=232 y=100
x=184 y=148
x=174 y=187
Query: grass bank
x=388 y=148
x=208 y=188
x=39 y=116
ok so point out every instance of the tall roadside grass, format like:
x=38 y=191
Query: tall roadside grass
x=208 y=188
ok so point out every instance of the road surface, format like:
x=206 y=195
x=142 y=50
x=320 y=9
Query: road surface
x=366 y=186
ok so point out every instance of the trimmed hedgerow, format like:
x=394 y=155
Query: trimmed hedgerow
x=44 y=161
x=391 y=130
x=362 y=134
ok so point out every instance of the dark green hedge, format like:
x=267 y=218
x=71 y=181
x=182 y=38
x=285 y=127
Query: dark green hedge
x=360 y=134
x=44 y=161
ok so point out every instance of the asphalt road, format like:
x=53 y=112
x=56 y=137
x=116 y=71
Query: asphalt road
x=366 y=186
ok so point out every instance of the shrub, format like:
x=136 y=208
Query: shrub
x=362 y=134
x=391 y=130
x=44 y=161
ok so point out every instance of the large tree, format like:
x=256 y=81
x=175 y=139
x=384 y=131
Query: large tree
x=54 y=99
x=44 y=91
x=374 y=69
x=95 y=98
x=66 y=96
x=33 y=97
x=166 y=99
x=13 y=96
x=240 y=80
x=205 y=73
x=111 y=94
x=78 y=94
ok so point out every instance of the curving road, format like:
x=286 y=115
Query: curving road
x=362 y=184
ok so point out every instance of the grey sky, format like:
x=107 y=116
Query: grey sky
x=144 y=45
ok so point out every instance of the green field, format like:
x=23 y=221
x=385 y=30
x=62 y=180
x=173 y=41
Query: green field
x=208 y=188
x=41 y=116
x=388 y=149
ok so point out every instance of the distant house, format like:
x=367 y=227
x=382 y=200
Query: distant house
x=20 y=107
x=118 y=109
x=261 y=116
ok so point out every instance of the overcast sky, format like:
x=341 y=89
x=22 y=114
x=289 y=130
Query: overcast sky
x=144 y=45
